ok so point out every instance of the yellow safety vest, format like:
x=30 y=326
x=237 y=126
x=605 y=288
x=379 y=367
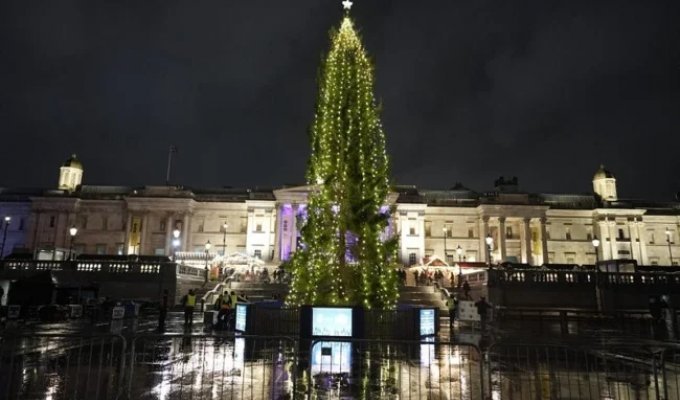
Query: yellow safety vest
x=191 y=300
x=234 y=300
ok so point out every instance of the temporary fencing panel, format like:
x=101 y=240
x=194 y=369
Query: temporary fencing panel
x=60 y=366
x=588 y=371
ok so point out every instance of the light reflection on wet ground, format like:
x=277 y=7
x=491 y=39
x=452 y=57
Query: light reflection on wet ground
x=198 y=365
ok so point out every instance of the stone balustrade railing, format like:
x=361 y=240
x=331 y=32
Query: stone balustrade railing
x=114 y=267
x=498 y=277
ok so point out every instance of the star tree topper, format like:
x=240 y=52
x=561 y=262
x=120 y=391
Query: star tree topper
x=347 y=4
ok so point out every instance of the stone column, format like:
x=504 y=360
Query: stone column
x=526 y=241
x=127 y=227
x=293 y=229
x=501 y=238
x=544 y=241
x=168 y=235
x=483 y=231
x=642 y=245
x=185 y=236
x=143 y=242
x=276 y=223
x=612 y=239
x=604 y=243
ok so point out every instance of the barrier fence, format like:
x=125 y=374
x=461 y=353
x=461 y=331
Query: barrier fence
x=205 y=366
x=609 y=371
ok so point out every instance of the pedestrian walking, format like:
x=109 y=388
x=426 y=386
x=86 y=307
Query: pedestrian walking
x=189 y=303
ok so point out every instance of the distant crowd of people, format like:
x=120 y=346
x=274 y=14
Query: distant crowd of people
x=258 y=275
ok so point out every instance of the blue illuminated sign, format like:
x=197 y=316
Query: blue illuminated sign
x=241 y=313
x=427 y=322
x=331 y=321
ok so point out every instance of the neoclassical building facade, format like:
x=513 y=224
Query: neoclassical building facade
x=452 y=224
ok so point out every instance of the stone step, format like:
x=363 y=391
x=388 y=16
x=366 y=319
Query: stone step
x=417 y=289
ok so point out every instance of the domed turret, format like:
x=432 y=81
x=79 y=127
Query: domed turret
x=604 y=184
x=70 y=174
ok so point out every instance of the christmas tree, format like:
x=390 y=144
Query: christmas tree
x=346 y=255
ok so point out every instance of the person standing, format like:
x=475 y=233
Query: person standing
x=163 y=311
x=189 y=303
x=452 y=304
x=482 y=310
x=466 y=290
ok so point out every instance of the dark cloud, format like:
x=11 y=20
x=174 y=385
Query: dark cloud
x=471 y=90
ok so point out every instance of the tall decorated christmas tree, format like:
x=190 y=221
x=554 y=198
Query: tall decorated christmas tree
x=347 y=254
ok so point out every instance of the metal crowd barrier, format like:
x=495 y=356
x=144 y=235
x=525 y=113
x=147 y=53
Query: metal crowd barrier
x=393 y=369
x=583 y=371
x=55 y=366
x=213 y=366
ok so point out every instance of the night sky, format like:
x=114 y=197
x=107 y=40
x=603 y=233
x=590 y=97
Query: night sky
x=471 y=90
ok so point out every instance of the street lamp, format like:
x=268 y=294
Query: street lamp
x=668 y=240
x=224 y=238
x=207 y=254
x=73 y=231
x=446 y=258
x=489 y=243
x=8 y=219
x=596 y=244
x=175 y=244
x=459 y=251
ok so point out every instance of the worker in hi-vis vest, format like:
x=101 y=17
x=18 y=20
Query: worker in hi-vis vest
x=189 y=302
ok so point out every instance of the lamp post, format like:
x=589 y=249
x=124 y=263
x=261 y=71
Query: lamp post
x=668 y=240
x=207 y=254
x=73 y=231
x=8 y=219
x=224 y=238
x=446 y=258
x=596 y=245
x=175 y=244
x=459 y=251
x=489 y=243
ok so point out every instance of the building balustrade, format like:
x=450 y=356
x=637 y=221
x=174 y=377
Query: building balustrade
x=499 y=278
x=114 y=267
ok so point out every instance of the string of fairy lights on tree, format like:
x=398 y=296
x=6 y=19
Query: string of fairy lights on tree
x=345 y=258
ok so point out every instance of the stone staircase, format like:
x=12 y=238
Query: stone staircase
x=256 y=292
x=421 y=296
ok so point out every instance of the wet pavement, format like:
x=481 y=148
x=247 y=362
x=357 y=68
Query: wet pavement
x=130 y=359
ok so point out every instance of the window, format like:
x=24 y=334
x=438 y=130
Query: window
x=100 y=249
x=651 y=237
x=159 y=251
x=161 y=226
x=589 y=236
x=449 y=229
x=257 y=253
x=52 y=221
x=551 y=257
x=120 y=248
x=411 y=258
x=412 y=230
x=83 y=222
x=244 y=224
x=568 y=234
x=508 y=232
x=449 y=259
x=621 y=234
x=258 y=227
x=471 y=233
x=201 y=225
x=105 y=223
x=547 y=234
x=21 y=223
x=428 y=228
x=285 y=225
